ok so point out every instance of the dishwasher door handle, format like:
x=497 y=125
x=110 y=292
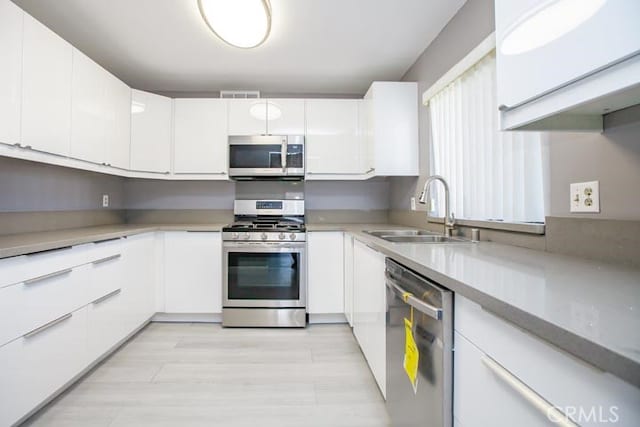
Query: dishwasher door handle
x=414 y=302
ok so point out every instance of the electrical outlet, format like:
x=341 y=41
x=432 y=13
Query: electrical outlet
x=585 y=197
x=105 y=200
x=413 y=203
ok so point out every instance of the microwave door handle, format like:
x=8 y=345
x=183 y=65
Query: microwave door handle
x=283 y=155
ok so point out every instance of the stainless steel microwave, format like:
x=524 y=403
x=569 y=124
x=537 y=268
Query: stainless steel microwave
x=268 y=156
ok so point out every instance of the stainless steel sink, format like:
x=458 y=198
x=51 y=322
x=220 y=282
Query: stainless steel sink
x=397 y=233
x=413 y=236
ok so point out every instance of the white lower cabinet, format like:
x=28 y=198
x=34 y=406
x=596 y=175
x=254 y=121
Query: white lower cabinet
x=493 y=359
x=192 y=272
x=33 y=368
x=138 y=286
x=105 y=323
x=325 y=275
x=369 y=308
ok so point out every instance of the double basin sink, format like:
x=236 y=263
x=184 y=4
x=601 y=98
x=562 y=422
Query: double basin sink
x=413 y=236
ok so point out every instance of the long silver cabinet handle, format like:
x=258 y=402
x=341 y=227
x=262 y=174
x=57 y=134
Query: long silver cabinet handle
x=107 y=296
x=551 y=412
x=414 y=302
x=47 y=276
x=106 y=259
x=46 y=326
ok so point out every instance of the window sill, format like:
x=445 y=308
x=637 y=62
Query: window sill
x=517 y=227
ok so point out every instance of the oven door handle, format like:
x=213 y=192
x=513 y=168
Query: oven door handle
x=283 y=154
x=264 y=245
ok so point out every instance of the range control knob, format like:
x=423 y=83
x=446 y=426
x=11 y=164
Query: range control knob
x=263 y=236
x=235 y=236
x=292 y=236
x=281 y=236
x=246 y=236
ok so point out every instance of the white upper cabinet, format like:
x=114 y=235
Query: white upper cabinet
x=334 y=145
x=150 y=132
x=11 y=71
x=266 y=116
x=88 y=109
x=100 y=114
x=200 y=136
x=118 y=132
x=571 y=66
x=46 y=89
x=391 y=127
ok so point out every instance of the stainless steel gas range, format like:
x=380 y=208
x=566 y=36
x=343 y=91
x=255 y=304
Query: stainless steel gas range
x=264 y=265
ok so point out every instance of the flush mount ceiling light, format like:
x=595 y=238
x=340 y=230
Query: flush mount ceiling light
x=259 y=111
x=240 y=23
x=552 y=20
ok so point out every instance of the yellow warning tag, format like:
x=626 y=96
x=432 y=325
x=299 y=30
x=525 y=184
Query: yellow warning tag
x=411 y=355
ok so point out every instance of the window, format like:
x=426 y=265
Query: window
x=492 y=175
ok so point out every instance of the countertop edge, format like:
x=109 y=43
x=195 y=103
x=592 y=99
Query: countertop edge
x=600 y=357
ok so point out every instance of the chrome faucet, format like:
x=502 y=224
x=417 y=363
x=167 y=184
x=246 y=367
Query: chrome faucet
x=449 y=220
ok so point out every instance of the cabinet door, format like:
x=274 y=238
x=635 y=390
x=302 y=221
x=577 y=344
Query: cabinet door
x=333 y=144
x=105 y=323
x=285 y=116
x=611 y=34
x=10 y=71
x=500 y=406
x=200 y=136
x=138 y=286
x=35 y=367
x=393 y=127
x=348 y=277
x=325 y=274
x=193 y=272
x=369 y=308
x=247 y=116
x=46 y=89
x=150 y=132
x=88 y=109
x=118 y=130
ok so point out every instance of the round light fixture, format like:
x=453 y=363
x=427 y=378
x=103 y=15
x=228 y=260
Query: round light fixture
x=240 y=23
x=552 y=20
x=259 y=111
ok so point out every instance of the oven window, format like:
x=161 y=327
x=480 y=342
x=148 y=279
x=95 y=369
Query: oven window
x=260 y=276
x=255 y=156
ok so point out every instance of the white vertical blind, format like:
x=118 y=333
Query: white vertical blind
x=492 y=174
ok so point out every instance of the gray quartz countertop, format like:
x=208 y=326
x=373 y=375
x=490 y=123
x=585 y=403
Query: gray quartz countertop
x=25 y=243
x=587 y=308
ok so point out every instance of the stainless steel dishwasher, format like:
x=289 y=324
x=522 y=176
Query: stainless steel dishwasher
x=429 y=402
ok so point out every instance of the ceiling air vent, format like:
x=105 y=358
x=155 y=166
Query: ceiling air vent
x=239 y=94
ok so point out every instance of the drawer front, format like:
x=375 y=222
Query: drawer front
x=32 y=369
x=481 y=399
x=106 y=275
x=31 y=266
x=105 y=323
x=30 y=305
x=100 y=250
x=13 y=270
x=559 y=377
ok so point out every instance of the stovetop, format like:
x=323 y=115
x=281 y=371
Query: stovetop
x=257 y=226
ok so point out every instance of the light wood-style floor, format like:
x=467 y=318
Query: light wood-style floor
x=203 y=375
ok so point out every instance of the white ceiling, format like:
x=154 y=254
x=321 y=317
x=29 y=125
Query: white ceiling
x=316 y=46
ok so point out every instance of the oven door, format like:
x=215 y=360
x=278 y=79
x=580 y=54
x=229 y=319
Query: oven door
x=264 y=274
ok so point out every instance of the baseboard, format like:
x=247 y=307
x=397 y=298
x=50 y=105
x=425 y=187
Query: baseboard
x=327 y=318
x=188 y=317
